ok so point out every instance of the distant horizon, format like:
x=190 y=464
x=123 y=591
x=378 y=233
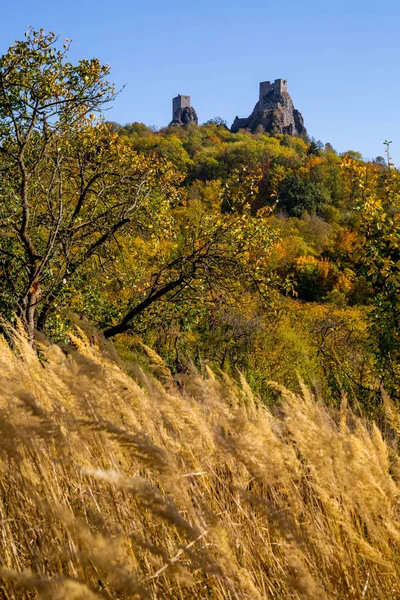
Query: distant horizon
x=157 y=127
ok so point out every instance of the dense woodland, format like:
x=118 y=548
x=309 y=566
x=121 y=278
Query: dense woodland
x=319 y=259
x=269 y=255
x=220 y=262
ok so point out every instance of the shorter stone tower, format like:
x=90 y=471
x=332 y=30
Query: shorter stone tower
x=178 y=103
x=182 y=112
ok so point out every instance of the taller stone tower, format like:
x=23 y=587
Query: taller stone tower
x=274 y=111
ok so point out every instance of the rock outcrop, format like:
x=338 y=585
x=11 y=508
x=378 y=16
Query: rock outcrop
x=185 y=116
x=274 y=111
x=182 y=112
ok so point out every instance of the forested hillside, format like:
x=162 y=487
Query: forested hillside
x=242 y=258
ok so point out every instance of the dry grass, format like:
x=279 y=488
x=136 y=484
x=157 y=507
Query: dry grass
x=115 y=485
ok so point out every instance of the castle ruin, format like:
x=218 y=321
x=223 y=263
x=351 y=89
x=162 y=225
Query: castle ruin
x=274 y=112
x=182 y=112
x=278 y=87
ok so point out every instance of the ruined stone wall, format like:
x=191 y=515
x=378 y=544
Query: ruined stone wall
x=265 y=88
x=278 y=87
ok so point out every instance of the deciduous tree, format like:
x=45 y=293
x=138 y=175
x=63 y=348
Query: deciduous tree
x=69 y=184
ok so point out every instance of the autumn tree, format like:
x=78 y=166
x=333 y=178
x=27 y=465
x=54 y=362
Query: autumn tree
x=378 y=253
x=69 y=184
x=210 y=255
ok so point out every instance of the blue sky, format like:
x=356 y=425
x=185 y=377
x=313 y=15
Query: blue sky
x=341 y=58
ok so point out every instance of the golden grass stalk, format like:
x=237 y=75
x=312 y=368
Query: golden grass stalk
x=113 y=486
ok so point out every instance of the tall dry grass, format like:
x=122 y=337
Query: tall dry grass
x=116 y=484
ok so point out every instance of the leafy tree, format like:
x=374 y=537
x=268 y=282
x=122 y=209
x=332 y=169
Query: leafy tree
x=329 y=149
x=314 y=278
x=314 y=149
x=136 y=129
x=378 y=253
x=212 y=254
x=352 y=155
x=219 y=121
x=297 y=195
x=69 y=184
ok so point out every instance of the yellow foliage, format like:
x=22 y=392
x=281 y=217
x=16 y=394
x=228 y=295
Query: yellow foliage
x=310 y=263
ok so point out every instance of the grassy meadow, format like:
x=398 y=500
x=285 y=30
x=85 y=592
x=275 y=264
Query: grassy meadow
x=121 y=483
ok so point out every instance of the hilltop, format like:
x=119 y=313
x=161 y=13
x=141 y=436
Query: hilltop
x=274 y=112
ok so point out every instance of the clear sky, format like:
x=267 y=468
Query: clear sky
x=341 y=58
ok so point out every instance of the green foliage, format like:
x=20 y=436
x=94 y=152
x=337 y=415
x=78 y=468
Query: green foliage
x=379 y=256
x=218 y=121
x=69 y=184
x=297 y=195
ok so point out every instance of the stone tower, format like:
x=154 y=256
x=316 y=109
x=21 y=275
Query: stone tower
x=182 y=112
x=178 y=103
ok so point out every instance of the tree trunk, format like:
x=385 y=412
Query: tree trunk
x=33 y=297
